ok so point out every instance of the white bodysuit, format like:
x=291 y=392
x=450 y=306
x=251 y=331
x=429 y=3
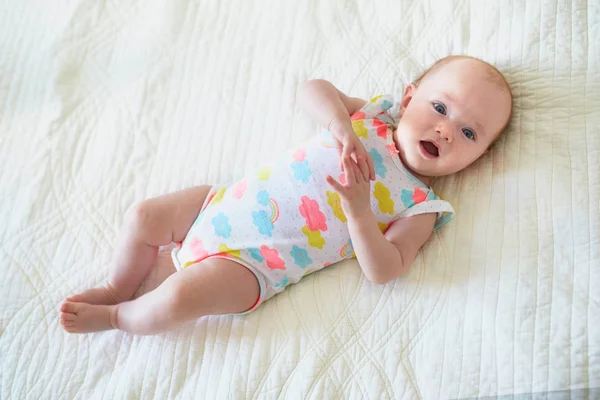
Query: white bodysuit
x=284 y=221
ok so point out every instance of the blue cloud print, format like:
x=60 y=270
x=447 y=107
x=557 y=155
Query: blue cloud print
x=255 y=253
x=301 y=257
x=380 y=169
x=301 y=170
x=262 y=222
x=198 y=219
x=262 y=197
x=221 y=225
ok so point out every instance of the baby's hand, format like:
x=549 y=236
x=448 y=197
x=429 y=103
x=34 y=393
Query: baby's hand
x=356 y=193
x=349 y=145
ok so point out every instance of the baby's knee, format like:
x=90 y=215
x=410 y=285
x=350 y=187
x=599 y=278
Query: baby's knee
x=182 y=304
x=140 y=215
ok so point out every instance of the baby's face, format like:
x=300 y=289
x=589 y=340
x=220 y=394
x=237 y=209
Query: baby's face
x=450 y=119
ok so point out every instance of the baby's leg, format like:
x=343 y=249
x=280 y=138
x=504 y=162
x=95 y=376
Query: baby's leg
x=213 y=286
x=152 y=223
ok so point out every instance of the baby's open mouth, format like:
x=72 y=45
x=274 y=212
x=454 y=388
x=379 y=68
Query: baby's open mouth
x=430 y=148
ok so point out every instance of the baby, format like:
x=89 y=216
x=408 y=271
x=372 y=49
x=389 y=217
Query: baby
x=238 y=246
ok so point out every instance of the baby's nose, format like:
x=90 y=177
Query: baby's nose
x=445 y=132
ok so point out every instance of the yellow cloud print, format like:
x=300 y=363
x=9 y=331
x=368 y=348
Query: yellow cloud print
x=264 y=173
x=359 y=129
x=223 y=248
x=382 y=194
x=218 y=196
x=335 y=202
x=314 y=237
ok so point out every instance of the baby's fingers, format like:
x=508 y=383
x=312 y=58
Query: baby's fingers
x=363 y=167
x=349 y=170
x=347 y=152
x=338 y=187
x=340 y=149
x=368 y=169
x=361 y=173
x=371 y=168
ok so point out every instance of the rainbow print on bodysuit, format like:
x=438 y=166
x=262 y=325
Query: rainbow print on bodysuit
x=274 y=214
x=347 y=251
x=263 y=198
x=264 y=220
x=327 y=140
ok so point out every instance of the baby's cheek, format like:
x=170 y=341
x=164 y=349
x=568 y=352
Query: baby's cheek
x=417 y=122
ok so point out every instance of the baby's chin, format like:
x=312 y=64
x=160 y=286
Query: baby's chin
x=417 y=167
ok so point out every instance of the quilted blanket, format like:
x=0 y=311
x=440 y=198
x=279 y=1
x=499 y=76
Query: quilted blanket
x=105 y=103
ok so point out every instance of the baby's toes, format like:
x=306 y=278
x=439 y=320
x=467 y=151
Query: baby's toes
x=68 y=307
x=67 y=318
x=67 y=324
x=75 y=298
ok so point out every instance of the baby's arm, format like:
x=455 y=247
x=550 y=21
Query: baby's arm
x=327 y=105
x=385 y=257
x=332 y=109
x=381 y=257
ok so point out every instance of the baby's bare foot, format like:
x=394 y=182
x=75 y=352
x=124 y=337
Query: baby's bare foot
x=85 y=318
x=104 y=294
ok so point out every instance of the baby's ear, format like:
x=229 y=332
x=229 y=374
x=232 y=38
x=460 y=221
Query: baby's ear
x=409 y=92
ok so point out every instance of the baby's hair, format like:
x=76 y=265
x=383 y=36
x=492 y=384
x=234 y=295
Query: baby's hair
x=493 y=75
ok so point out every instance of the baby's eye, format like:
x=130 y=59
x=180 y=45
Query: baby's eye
x=469 y=134
x=439 y=108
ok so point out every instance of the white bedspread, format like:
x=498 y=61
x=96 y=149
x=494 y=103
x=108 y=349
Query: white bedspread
x=105 y=103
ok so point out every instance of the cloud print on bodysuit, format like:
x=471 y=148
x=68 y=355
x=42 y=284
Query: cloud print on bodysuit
x=411 y=197
x=262 y=197
x=218 y=196
x=380 y=169
x=315 y=219
x=385 y=202
x=314 y=237
x=386 y=105
x=223 y=248
x=272 y=257
x=221 y=225
x=197 y=248
x=255 y=253
x=335 y=202
x=358 y=115
x=299 y=155
x=382 y=128
x=360 y=129
x=300 y=165
x=238 y=189
x=262 y=222
x=300 y=256
x=301 y=170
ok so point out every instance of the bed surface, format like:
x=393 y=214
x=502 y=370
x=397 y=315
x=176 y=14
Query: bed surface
x=104 y=103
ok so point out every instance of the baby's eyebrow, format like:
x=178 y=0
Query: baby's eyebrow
x=451 y=99
x=479 y=127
